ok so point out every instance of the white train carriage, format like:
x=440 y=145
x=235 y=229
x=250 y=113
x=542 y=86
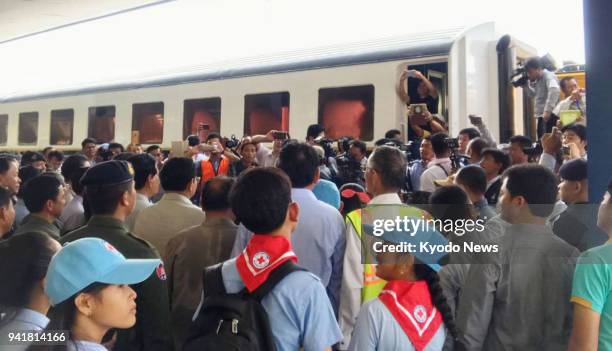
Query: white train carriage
x=350 y=89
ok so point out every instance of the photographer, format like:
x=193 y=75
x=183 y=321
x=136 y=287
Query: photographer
x=543 y=86
x=416 y=168
x=570 y=142
x=351 y=167
x=575 y=98
x=314 y=132
x=217 y=164
x=426 y=93
x=441 y=166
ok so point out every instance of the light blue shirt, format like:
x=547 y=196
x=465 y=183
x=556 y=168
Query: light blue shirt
x=21 y=211
x=413 y=173
x=299 y=312
x=319 y=241
x=25 y=319
x=377 y=329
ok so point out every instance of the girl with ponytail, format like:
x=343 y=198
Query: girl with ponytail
x=411 y=312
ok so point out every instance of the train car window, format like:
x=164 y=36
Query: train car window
x=62 y=124
x=28 y=128
x=148 y=123
x=201 y=116
x=265 y=112
x=101 y=123
x=3 y=129
x=347 y=111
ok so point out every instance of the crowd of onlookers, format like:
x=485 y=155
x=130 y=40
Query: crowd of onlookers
x=154 y=240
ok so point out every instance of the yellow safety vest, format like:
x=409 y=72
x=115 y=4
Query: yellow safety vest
x=372 y=284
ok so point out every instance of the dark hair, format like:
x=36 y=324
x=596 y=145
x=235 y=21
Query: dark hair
x=144 y=166
x=71 y=164
x=260 y=199
x=55 y=154
x=177 y=173
x=477 y=145
x=152 y=148
x=103 y=200
x=533 y=63
x=392 y=133
x=30 y=157
x=75 y=180
x=536 y=184
x=124 y=156
x=473 y=178
x=5 y=197
x=579 y=129
x=360 y=145
x=24 y=260
x=345 y=142
x=424 y=272
x=522 y=140
x=314 y=130
x=25 y=174
x=62 y=317
x=438 y=144
x=390 y=164
x=38 y=190
x=5 y=163
x=115 y=146
x=472 y=133
x=351 y=204
x=564 y=80
x=451 y=202
x=193 y=140
x=300 y=162
x=381 y=142
x=213 y=135
x=499 y=157
x=88 y=141
x=215 y=193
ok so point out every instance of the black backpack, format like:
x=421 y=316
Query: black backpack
x=234 y=322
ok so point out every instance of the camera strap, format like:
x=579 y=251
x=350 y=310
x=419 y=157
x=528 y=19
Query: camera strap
x=444 y=169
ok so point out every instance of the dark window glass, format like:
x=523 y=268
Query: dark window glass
x=201 y=116
x=347 y=111
x=265 y=112
x=62 y=124
x=3 y=129
x=148 y=123
x=28 y=128
x=102 y=123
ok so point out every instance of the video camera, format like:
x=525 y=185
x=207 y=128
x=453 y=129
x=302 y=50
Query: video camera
x=406 y=149
x=232 y=142
x=456 y=159
x=519 y=77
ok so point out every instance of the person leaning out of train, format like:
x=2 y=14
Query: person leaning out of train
x=88 y=285
x=24 y=260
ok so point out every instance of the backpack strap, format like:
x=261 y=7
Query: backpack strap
x=444 y=169
x=274 y=278
x=213 y=280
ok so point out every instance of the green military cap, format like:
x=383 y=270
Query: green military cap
x=108 y=173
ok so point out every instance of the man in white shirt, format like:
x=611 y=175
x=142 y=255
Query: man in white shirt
x=146 y=183
x=575 y=97
x=266 y=157
x=174 y=212
x=441 y=166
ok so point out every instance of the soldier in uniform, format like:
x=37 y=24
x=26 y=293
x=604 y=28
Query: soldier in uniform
x=109 y=190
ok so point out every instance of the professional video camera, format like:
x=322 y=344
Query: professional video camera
x=519 y=77
x=456 y=159
x=406 y=149
x=349 y=170
x=327 y=145
x=534 y=151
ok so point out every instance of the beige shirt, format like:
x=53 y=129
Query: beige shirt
x=142 y=202
x=160 y=222
x=185 y=258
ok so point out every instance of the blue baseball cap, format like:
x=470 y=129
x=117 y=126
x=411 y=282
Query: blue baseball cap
x=92 y=260
x=427 y=235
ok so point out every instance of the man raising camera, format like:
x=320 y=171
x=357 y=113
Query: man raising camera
x=543 y=86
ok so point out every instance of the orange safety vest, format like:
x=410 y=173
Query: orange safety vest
x=208 y=171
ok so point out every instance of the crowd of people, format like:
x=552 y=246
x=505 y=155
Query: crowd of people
x=260 y=242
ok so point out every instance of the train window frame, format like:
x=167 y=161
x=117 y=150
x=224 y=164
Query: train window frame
x=70 y=117
x=369 y=102
x=136 y=137
x=4 y=123
x=22 y=116
x=284 y=95
x=214 y=100
x=91 y=124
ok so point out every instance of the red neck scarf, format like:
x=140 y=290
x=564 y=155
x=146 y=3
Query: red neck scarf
x=411 y=306
x=261 y=256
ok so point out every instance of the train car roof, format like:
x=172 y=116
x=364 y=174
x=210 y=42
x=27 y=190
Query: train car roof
x=434 y=43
